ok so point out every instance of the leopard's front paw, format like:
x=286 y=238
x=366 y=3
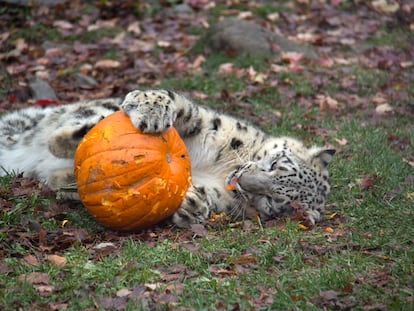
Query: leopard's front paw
x=193 y=210
x=150 y=111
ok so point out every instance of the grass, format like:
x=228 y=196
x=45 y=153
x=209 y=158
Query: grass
x=365 y=262
x=373 y=244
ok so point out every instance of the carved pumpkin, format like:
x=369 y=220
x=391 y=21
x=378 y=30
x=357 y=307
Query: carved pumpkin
x=129 y=180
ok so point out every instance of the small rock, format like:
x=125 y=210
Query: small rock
x=41 y=89
x=83 y=80
x=182 y=8
x=236 y=36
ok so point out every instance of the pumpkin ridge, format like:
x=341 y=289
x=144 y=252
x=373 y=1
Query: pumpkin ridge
x=118 y=149
x=138 y=171
x=127 y=187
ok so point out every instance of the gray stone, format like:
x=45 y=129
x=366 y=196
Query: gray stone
x=41 y=89
x=244 y=37
x=83 y=80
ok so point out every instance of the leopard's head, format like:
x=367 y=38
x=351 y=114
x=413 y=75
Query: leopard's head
x=283 y=181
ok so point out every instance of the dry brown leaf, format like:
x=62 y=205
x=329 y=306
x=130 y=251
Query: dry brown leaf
x=198 y=61
x=134 y=28
x=245 y=258
x=291 y=57
x=31 y=260
x=35 y=278
x=123 y=292
x=57 y=260
x=65 y=25
x=384 y=109
x=386 y=6
x=368 y=181
x=327 y=103
x=341 y=141
x=163 y=44
x=199 y=229
x=107 y=64
x=273 y=17
x=226 y=68
x=326 y=62
x=111 y=23
x=44 y=290
x=409 y=162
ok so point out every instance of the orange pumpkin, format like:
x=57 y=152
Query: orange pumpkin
x=129 y=180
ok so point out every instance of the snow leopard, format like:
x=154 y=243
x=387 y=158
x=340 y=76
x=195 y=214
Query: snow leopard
x=236 y=167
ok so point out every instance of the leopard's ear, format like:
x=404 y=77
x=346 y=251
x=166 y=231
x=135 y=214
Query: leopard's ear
x=323 y=156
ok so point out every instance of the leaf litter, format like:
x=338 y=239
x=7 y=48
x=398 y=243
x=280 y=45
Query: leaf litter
x=155 y=47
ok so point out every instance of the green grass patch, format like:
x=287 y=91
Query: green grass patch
x=363 y=261
x=37 y=34
x=366 y=260
x=397 y=37
x=369 y=81
x=94 y=36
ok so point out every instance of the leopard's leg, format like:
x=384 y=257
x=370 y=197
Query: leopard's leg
x=199 y=203
x=154 y=111
x=76 y=122
x=60 y=179
x=64 y=141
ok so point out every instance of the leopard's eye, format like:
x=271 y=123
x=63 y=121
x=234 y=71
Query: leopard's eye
x=274 y=165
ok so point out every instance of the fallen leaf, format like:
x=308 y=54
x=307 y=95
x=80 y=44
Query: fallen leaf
x=21 y=44
x=341 y=141
x=198 y=61
x=123 y=292
x=65 y=25
x=384 y=109
x=385 y=6
x=199 y=94
x=277 y=68
x=327 y=103
x=134 y=28
x=245 y=15
x=35 y=278
x=216 y=269
x=308 y=37
x=245 y=258
x=152 y=286
x=368 y=181
x=406 y=64
x=99 y=24
x=112 y=303
x=31 y=260
x=163 y=44
x=215 y=217
x=303 y=227
x=409 y=162
x=328 y=294
x=199 y=229
x=107 y=64
x=273 y=17
x=326 y=62
x=43 y=102
x=57 y=260
x=291 y=57
x=44 y=290
x=226 y=68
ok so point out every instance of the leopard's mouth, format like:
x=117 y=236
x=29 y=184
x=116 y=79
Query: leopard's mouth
x=231 y=181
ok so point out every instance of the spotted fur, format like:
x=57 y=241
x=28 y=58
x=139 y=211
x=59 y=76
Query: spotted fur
x=269 y=176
